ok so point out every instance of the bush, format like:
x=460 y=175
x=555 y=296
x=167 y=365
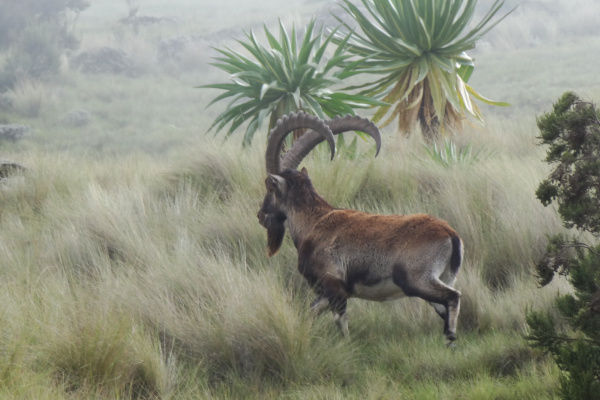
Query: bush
x=105 y=60
x=572 y=132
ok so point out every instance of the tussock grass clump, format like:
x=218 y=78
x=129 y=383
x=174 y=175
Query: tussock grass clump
x=135 y=278
x=45 y=177
x=104 y=354
x=215 y=172
x=237 y=322
x=30 y=99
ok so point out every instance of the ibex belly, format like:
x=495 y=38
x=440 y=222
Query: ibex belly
x=383 y=290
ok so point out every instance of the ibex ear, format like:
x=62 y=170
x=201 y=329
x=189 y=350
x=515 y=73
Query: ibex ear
x=304 y=171
x=276 y=182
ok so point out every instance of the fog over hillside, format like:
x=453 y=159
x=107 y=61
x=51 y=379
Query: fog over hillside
x=542 y=49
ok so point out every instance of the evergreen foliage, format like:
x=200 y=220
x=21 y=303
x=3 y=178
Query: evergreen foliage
x=572 y=132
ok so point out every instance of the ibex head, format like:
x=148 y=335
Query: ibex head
x=287 y=187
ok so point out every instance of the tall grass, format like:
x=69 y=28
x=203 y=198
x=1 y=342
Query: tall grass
x=132 y=265
x=133 y=278
x=30 y=99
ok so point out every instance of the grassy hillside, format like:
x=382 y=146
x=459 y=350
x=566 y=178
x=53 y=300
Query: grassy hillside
x=124 y=277
x=132 y=264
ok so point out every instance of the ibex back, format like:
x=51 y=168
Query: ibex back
x=347 y=253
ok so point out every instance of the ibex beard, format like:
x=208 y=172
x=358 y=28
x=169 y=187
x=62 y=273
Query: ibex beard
x=346 y=253
x=275 y=225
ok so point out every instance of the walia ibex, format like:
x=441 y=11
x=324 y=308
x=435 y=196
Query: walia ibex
x=347 y=253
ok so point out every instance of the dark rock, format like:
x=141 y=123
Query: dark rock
x=106 y=60
x=12 y=132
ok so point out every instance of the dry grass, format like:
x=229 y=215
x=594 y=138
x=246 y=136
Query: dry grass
x=142 y=277
x=132 y=266
x=31 y=99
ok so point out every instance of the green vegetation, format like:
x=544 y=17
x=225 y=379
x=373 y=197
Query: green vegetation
x=419 y=46
x=132 y=265
x=450 y=154
x=131 y=278
x=572 y=132
x=290 y=75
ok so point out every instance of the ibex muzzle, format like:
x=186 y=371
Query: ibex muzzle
x=347 y=253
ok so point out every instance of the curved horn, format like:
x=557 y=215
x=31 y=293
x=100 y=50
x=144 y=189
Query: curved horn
x=310 y=139
x=286 y=125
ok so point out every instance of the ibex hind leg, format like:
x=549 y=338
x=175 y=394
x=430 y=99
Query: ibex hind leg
x=440 y=310
x=447 y=277
x=446 y=302
x=445 y=299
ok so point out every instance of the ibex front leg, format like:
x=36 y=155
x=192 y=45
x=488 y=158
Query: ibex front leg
x=340 y=316
x=331 y=291
x=328 y=299
x=319 y=305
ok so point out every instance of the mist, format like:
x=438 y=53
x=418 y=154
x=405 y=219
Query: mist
x=126 y=82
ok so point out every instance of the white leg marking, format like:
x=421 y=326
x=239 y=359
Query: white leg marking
x=319 y=305
x=441 y=310
x=342 y=323
x=453 y=310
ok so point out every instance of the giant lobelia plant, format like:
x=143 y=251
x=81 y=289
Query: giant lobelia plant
x=285 y=76
x=418 y=47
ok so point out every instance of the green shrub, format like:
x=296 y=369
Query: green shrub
x=572 y=132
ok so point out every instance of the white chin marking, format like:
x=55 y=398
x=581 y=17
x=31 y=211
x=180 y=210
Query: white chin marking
x=381 y=291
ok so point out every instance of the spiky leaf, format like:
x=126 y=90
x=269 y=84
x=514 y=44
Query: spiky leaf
x=414 y=41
